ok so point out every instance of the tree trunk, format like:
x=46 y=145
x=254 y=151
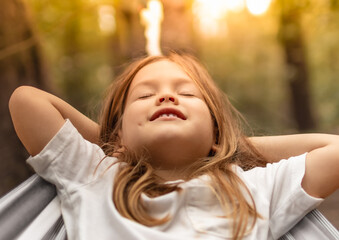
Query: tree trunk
x=73 y=76
x=20 y=64
x=176 y=33
x=177 y=27
x=129 y=41
x=296 y=65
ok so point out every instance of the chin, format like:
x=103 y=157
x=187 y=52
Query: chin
x=179 y=148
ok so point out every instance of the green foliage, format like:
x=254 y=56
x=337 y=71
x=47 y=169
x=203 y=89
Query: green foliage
x=249 y=65
x=247 y=62
x=76 y=50
x=321 y=28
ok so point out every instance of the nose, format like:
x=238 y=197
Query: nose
x=167 y=98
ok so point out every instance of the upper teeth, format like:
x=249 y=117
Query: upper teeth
x=168 y=115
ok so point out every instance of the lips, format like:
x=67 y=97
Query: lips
x=171 y=112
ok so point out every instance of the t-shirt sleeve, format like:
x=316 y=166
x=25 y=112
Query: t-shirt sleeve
x=68 y=160
x=280 y=185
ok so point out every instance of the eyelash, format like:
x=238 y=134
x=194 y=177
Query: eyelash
x=187 y=94
x=150 y=95
x=146 y=96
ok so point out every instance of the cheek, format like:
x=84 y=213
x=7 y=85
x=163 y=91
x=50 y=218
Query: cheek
x=132 y=118
x=127 y=126
x=205 y=125
x=211 y=131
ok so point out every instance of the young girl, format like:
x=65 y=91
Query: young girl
x=168 y=160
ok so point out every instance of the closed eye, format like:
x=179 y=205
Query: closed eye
x=144 y=96
x=187 y=94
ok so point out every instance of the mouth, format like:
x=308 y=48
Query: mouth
x=168 y=113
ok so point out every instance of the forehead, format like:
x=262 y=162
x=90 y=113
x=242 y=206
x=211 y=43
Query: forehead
x=162 y=70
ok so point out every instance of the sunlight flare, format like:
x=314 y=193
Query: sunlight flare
x=210 y=15
x=258 y=7
x=106 y=18
x=151 y=18
x=235 y=5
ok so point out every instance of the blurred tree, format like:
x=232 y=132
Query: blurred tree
x=21 y=63
x=128 y=41
x=176 y=33
x=71 y=46
x=291 y=37
x=177 y=27
x=334 y=4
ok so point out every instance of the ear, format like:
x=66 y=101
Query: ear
x=213 y=150
x=215 y=147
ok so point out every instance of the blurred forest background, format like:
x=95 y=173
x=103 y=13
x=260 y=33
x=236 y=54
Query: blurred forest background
x=278 y=60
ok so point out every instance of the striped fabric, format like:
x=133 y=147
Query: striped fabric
x=32 y=211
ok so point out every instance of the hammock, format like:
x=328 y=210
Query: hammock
x=32 y=211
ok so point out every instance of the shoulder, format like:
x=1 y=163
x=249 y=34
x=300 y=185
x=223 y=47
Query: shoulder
x=292 y=166
x=278 y=193
x=279 y=184
x=70 y=159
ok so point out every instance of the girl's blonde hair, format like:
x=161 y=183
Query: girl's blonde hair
x=136 y=175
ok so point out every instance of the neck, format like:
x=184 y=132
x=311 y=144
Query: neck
x=170 y=175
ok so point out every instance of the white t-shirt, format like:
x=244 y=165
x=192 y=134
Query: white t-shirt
x=69 y=161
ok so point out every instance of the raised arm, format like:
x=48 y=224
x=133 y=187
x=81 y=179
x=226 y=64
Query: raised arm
x=37 y=116
x=322 y=161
